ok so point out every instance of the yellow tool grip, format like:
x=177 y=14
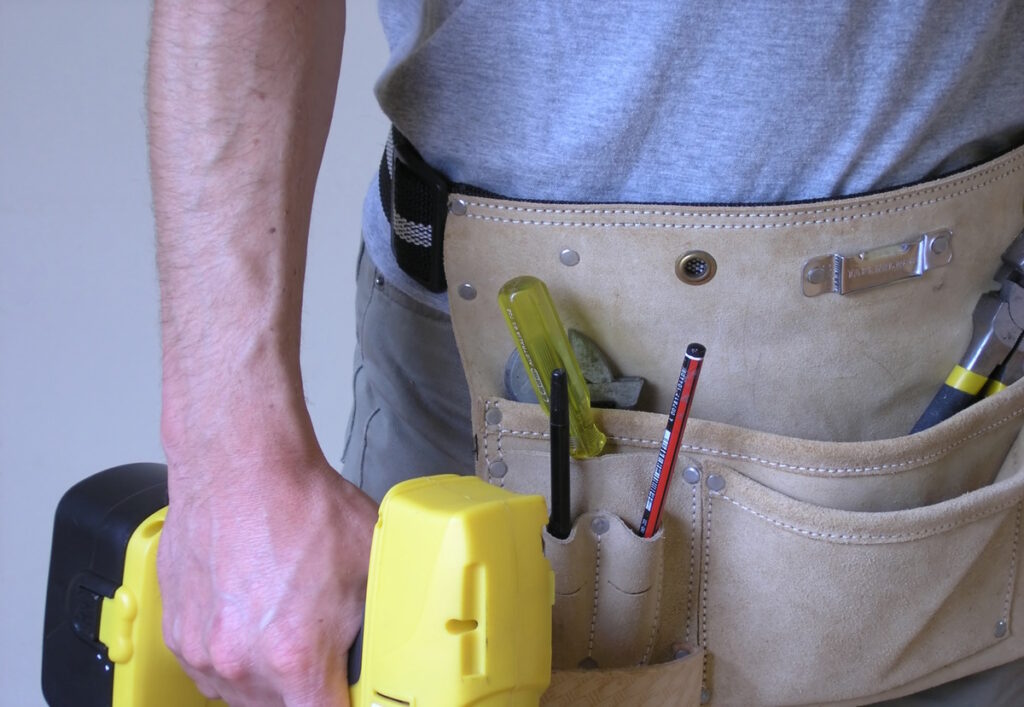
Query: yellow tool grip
x=966 y=381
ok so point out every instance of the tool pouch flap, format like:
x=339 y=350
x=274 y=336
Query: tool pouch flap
x=815 y=552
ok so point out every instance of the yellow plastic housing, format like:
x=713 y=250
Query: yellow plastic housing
x=459 y=610
x=458 y=605
x=146 y=673
x=544 y=346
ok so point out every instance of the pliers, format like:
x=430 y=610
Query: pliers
x=994 y=359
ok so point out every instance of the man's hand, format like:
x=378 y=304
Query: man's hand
x=264 y=591
x=263 y=558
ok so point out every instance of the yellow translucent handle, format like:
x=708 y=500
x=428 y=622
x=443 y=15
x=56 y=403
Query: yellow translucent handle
x=543 y=345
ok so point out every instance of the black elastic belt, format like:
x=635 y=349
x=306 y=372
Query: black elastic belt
x=415 y=200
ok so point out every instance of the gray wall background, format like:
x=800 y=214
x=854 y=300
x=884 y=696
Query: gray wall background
x=79 y=346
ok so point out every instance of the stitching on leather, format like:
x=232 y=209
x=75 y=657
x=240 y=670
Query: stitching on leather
x=597 y=588
x=657 y=605
x=488 y=404
x=1013 y=568
x=704 y=597
x=979 y=181
x=868 y=537
x=693 y=542
x=712 y=451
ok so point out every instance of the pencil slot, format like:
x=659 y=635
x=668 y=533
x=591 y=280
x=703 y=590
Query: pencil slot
x=608 y=591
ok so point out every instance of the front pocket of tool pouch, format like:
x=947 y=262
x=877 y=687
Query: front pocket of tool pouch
x=810 y=571
x=608 y=592
x=675 y=682
x=802 y=604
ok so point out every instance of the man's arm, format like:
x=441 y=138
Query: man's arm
x=264 y=554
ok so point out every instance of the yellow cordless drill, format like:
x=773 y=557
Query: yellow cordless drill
x=458 y=607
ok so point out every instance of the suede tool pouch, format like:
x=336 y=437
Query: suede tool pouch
x=815 y=552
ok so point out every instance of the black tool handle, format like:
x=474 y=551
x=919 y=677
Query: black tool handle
x=560 y=522
x=946 y=403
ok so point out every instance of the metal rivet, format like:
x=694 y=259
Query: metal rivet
x=1001 y=627
x=493 y=416
x=705 y=696
x=940 y=245
x=599 y=525
x=716 y=482
x=458 y=207
x=696 y=267
x=379 y=281
x=467 y=291
x=816 y=275
x=588 y=663
x=679 y=651
x=569 y=257
x=497 y=469
x=691 y=475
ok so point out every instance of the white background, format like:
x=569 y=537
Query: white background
x=79 y=347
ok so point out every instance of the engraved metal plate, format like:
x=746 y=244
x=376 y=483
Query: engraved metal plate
x=844 y=274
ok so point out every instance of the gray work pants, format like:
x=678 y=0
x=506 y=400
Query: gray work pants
x=410 y=414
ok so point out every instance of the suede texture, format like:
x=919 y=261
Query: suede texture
x=609 y=580
x=853 y=367
x=817 y=553
x=675 y=683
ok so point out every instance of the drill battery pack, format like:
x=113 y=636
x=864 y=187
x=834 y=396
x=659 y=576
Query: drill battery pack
x=103 y=607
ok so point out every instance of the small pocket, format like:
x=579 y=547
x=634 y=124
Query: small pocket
x=608 y=583
x=864 y=602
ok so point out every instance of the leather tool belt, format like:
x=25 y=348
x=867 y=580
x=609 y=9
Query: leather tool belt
x=813 y=552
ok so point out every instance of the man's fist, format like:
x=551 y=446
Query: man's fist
x=264 y=581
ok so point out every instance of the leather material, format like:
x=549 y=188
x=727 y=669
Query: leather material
x=833 y=559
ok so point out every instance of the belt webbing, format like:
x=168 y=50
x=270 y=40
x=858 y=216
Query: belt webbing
x=415 y=200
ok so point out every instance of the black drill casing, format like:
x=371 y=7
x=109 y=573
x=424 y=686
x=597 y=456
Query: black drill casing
x=94 y=521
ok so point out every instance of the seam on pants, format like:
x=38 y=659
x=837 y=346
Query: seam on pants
x=366 y=434
x=352 y=414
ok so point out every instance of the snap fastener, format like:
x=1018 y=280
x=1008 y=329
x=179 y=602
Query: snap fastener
x=569 y=257
x=493 y=416
x=458 y=207
x=696 y=267
x=497 y=469
x=599 y=525
x=1001 y=627
x=379 y=281
x=716 y=483
x=467 y=291
x=691 y=475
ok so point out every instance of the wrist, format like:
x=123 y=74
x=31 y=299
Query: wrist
x=231 y=415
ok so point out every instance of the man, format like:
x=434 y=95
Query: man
x=264 y=554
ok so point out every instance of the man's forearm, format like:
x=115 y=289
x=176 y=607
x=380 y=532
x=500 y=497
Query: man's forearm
x=240 y=95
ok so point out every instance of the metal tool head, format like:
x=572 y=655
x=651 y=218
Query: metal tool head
x=1013 y=256
x=606 y=391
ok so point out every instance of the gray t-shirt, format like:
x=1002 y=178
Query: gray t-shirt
x=687 y=102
